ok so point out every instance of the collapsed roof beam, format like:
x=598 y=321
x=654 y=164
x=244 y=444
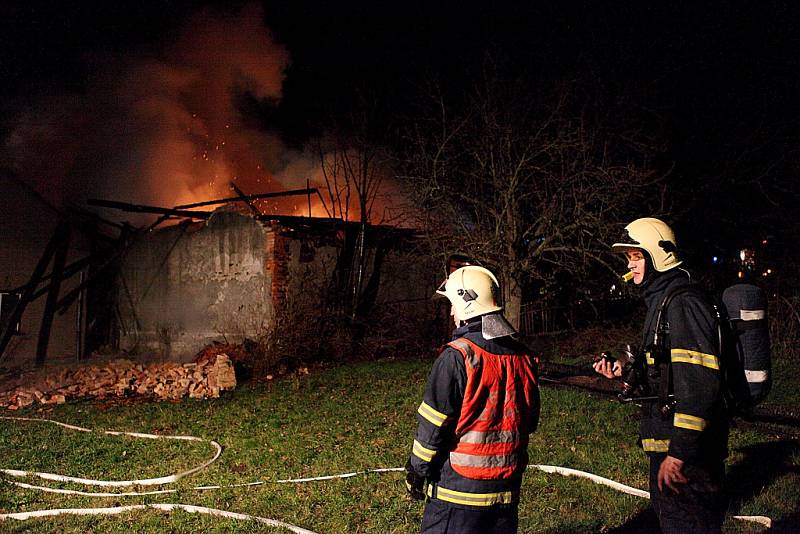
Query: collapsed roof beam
x=86 y=214
x=68 y=271
x=139 y=208
x=291 y=192
x=247 y=200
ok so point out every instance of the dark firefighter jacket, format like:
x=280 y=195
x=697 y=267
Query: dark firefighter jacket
x=439 y=414
x=696 y=430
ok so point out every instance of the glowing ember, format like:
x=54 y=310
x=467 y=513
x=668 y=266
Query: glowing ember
x=167 y=131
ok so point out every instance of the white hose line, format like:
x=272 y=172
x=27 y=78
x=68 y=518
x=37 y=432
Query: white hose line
x=197 y=488
x=345 y=475
x=167 y=507
x=565 y=471
x=760 y=519
x=115 y=483
x=88 y=493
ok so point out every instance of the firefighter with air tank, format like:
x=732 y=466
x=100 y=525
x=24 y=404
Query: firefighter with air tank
x=684 y=424
x=480 y=404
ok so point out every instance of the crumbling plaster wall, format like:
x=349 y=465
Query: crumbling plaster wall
x=184 y=287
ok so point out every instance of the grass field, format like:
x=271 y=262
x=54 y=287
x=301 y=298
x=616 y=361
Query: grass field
x=345 y=419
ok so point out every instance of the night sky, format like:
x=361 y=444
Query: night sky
x=716 y=85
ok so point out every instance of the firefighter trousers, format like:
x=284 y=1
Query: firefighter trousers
x=441 y=518
x=701 y=504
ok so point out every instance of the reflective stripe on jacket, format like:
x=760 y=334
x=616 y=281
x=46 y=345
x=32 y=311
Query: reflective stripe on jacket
x=493 y=427
x=696 y=430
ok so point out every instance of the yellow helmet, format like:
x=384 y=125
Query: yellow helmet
x=654 y=237
x=473 y=291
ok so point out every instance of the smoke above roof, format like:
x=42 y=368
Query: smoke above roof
x=163 y=126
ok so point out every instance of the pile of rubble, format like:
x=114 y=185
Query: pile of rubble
x=122 y=378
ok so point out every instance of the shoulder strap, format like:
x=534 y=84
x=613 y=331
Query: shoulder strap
x=662 y=327
x=661 y=341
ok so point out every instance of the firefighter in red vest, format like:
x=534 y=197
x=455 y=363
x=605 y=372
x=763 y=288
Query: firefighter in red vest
x=480 y=405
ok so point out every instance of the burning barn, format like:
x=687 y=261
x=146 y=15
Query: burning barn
x=237 y=276
x=218 y=276
x=179 y=127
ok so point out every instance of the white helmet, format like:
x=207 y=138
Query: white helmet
x=654 y=237
x=472 y=290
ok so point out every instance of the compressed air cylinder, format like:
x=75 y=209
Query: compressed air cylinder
x=747 y=309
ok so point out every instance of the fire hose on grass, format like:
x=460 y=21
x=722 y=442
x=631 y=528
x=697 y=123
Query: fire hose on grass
x=565 y=471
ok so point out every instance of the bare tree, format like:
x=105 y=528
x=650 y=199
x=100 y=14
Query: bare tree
x=525 y=188
x=353 y=167
x=353 y=173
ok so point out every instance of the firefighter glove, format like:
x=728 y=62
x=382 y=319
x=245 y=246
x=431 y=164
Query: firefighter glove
x=415 y=484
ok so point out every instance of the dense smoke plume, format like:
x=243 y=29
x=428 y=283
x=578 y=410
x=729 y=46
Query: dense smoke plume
x=164 y=128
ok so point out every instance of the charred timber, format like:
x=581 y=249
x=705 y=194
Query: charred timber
x=291 y=192
x=139 y=208
x=7 y=330
x=246 y=199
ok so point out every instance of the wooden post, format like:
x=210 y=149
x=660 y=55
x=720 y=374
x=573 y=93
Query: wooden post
x=59 y=262
x=308 y=188
x=80 y=321
x=25 y=298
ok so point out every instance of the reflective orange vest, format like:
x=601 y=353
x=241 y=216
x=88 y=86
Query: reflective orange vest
x=500 y=401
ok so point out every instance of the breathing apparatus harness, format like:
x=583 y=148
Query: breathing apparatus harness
x=660 y=351
x=635 y=386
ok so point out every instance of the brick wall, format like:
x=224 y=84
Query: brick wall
x=277 y=265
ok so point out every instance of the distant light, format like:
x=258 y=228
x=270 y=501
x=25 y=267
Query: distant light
x=764 y=242
x=764 y=273
x=769 y=271
x=715 y=259
x=741 y=274
x=742 y=254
